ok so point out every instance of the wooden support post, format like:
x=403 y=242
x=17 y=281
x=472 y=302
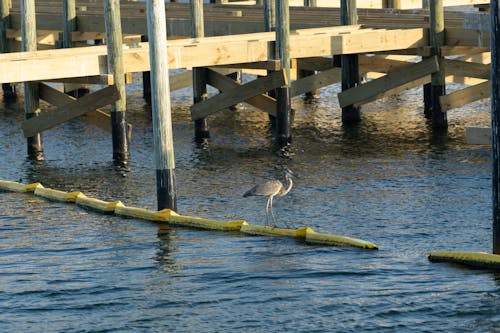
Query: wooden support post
x=350 y=63
x=283 y=96
x=302 y=73
x=146 y=80
x=495 y=120
x=438 y=86
x=9 y=92
x=69 y=22
x=69 y=26
x=115 y=66
x=31 y=100
x=395 y=4
x=201 y=131
x=161 y=108
x=270 y=15
x=427 y=89
x=270 y=25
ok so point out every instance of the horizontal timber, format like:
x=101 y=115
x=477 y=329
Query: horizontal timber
x=201 y=52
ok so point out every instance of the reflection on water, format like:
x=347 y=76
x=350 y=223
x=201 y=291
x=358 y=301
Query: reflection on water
x=389 y=180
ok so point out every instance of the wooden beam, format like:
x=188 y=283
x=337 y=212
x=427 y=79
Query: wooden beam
x=380 y=64
x=224 y=83
x=377 y=88
x=238 y=94
x=105 y=79
x=69 y=111
x=270 y=65
x=465 y=96
x=316 y=81
x=59 y=99
x=314 y=63
x=467 y=69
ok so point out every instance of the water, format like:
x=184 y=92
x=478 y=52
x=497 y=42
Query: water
x=389 y=181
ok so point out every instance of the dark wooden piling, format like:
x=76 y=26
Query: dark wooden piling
x=350 y=63
x=495 y=120
x=146 y=80
x=31 y=96
x=303 y=72
x=69 y=22
x=201 y=130
x=270 y=25
x=69 y=26
x=9 y=92
x=438 y=86
x=270 y=15
x=283 y=96
x=115 y=66
x=161 y=107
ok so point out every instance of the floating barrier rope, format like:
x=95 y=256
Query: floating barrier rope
x=172 y=218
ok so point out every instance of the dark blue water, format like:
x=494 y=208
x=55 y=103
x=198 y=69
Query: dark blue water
x=389 y=181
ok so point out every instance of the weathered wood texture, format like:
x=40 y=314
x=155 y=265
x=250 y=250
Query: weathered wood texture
x=75 y=108
x=161 y=107
x=224 y=83
x=58 y=99
x=495 y=122
x=391 y=83
x=238 y=94
x=208 y=51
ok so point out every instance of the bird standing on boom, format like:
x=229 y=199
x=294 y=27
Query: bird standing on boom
x=270 y=189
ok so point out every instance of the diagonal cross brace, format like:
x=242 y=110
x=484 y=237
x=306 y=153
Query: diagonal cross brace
x=76 y=108
x=238 y=94
x=380 y=87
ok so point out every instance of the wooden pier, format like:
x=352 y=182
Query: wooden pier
x=390 y=49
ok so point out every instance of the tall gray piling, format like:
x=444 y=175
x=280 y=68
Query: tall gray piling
x=201 y=131
x=349 y=63
x=283 y=97
x=161 y=107
x=31 y=97
x=495 y=120
x=114 y=44
x=9 y=92
x=438 y=85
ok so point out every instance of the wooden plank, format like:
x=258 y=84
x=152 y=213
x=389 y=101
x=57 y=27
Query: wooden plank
x=97 y=118
x=467 y=69
x=377 y=88
x=270 y=65
x=475 y=135
x=238 y=94
x=314 y=63
x=224 y=83
x=381 y=65
x=313 y=82
x=105 y=79
x=69 y=111
x=465 y=96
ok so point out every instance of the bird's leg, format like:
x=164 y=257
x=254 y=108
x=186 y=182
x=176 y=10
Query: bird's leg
x=272 y=212
x=267 y=210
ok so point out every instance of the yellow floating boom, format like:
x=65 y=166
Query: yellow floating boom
x=172 y=218
x=17 y=187
x=96 y=204
x=472 y=259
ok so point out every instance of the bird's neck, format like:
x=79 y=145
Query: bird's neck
x=289 y=184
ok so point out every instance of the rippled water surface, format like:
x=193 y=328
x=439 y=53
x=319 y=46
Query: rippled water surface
x=388 y=180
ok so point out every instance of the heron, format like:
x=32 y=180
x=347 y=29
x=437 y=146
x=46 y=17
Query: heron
x=270 y=189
